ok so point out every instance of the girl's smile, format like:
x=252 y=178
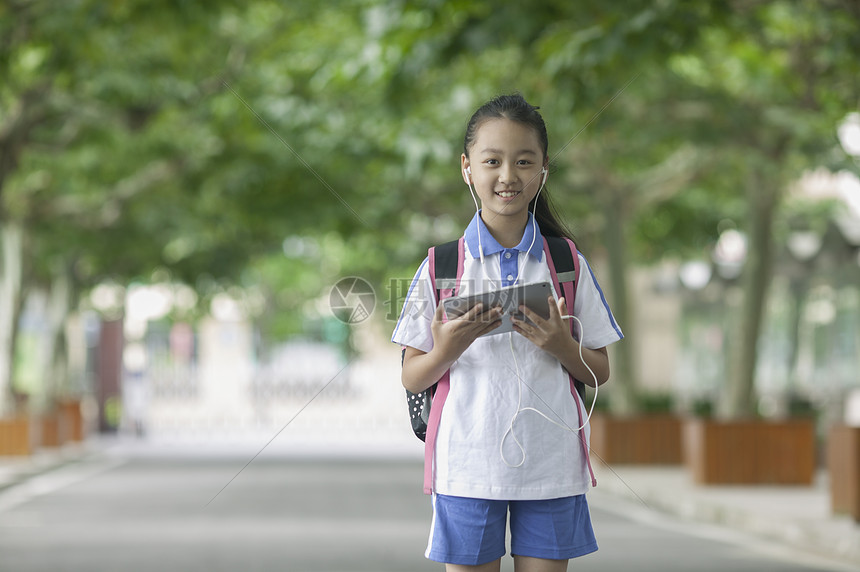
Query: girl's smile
x=507 y=195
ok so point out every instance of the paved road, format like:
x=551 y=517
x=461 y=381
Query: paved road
x=289 y=515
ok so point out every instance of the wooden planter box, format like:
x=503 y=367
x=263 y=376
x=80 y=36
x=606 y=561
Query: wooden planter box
x=637 y=440
x=843 y=466
x=51 y=434
x=750 y=452
x=72 y=420
x=15 y=436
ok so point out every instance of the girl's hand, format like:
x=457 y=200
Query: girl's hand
x=452 y=338
x=551 y=335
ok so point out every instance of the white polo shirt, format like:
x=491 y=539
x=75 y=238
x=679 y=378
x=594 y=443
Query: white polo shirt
x=476 y=453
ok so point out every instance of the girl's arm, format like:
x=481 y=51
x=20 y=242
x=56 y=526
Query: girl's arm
x=553 y=335
x=450 y=340
x=597 y=360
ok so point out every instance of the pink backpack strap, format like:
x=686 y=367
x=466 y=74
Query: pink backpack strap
x=431 y=262
x=567 y=288
x=570 y=294
x=443 y=385
x=564 y=285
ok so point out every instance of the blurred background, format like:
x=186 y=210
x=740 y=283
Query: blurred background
x=188 y=192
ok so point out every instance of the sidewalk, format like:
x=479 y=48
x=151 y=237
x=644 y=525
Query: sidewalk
x=799 y=517
x=792 y=515
x=18 y=469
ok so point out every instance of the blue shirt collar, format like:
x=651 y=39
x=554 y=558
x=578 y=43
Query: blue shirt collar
x=492 y=246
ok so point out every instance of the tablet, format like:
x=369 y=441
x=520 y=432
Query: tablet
x=534 y=296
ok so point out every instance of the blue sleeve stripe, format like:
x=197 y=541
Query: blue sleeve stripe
x=603 y=299
x=409 y=295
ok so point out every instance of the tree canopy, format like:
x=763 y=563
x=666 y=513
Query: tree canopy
x=284 y=144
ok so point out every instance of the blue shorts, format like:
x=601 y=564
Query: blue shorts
x=471 y=531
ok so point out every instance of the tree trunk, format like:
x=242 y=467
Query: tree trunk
x=624 y=380
x=738 y=399
x=799 y=289
x=11 y=275
x=55 y=367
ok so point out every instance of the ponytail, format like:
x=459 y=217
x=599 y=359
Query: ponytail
x=547 y=217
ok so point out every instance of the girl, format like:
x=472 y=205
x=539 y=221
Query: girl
x=508 y=440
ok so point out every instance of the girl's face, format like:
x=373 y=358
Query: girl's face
x=506 y=162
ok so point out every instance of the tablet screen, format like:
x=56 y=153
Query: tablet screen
x=534 y=296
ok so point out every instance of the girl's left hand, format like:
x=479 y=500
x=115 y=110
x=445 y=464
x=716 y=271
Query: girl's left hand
x=551 y=335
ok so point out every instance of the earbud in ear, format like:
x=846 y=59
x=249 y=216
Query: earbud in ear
x=467 y=174
x=545 y=175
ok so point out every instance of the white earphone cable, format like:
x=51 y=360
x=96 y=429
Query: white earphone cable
x=468 y=171
x=520 y=408
x=520 y=381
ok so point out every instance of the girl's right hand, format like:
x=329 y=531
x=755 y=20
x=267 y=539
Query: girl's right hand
x=450 y=339
x=453 y=337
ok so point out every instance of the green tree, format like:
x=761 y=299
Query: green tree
x=766 y=91
x=84 y=88
x=199 y=138
x=193 y=138
x=582 y=63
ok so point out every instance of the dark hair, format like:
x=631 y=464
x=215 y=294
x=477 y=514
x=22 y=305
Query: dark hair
x=516 y=108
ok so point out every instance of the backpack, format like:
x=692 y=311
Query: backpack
x=446 y=269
